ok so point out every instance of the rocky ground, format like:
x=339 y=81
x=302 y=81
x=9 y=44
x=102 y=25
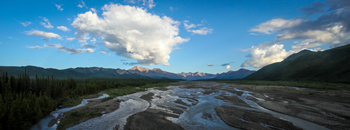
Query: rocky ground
x=327 y=108
x=251 y=119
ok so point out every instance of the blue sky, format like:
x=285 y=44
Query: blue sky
x=176 y=36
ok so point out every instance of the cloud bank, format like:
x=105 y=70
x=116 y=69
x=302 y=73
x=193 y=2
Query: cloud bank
x=131 y=32
x=332 y=27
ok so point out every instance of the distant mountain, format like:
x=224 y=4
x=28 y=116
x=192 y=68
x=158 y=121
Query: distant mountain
x=158 y=73
x=154 y=73
x=196 y=75
x=332 y=65
x=79 y=72
x=135 y=72
x=239 y=74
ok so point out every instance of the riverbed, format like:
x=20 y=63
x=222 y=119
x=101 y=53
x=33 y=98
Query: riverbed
x=187 y=106
x=211 y=105
x=43 y=123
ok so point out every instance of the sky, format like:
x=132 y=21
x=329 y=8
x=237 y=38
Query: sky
x=211 y=36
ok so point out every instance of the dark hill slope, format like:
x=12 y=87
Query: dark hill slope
x=332 y=65
x=70 y=73
x=239 y=74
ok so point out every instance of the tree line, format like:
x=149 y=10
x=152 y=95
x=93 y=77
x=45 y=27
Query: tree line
x=24 y=100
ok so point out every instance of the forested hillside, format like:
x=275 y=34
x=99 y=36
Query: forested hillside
x=25 y=100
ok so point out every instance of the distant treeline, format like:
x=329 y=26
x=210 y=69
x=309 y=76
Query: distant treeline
x=24 y=101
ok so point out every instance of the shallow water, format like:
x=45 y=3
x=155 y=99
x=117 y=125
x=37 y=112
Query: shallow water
x=42 y=124
x=132 y=105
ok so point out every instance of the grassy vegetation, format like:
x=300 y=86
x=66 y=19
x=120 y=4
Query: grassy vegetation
x=129 y=90
x=73 y=101
x=92 y=96
x=76 y=117
x=288 y=91
x=302 y=84
x=106 y=98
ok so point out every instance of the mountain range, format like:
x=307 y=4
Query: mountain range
x=158 y=73
x=239 y=74
x=135 y=72
x=76 y=73
x=332 y=65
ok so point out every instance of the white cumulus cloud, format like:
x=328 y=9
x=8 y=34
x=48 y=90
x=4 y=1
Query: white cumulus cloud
x=331 y=27
x=59 y=7
x=265 y=54
x=103 y=52
x=82 y=4
x=47 y=23
x=189 y=26
x=82 y=41
x=71 y=50
x=86 y=45
x=44 y=35
x=132 y=32
x=202 y=31
x=25 y=24
x=64 y=49
x=70 y=38
x=149 y=3
x=93 y=40
x=34 y=47
x=93 y=10
x=275 y=25
x=63 y=28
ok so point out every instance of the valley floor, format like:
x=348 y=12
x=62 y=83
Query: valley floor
x=211 y=105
